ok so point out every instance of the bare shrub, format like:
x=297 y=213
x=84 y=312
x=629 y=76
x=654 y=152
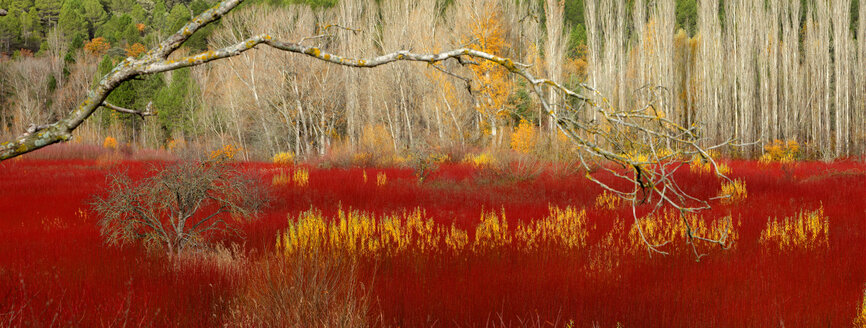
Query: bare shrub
x=177 y=208
x=304 y=290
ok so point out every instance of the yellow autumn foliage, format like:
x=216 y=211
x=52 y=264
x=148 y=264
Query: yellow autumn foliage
x=670 y=226
x=860 y=320
x=607 y=200
x=360 y=234
x=284 y=158
x=807 y=230
x=226 y=152
x=779 y=151
x=524 y=138
x=733 y=191
x=563 y=228
x=701 y=166
x=300 y=176
x=109 y=143
x=491 y=233
x=479 y=160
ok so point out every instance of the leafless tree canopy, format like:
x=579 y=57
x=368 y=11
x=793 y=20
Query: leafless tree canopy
x=179 y=206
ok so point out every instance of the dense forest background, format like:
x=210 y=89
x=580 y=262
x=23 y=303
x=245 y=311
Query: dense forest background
x=753 y=70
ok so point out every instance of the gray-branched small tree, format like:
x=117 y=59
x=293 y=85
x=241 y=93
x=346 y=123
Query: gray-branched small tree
x=177 y=208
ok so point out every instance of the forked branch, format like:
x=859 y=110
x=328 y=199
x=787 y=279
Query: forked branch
x=148 y=110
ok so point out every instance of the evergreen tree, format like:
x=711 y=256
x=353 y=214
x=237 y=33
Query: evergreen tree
x=121 y=6
x=573 y=15
x=9 y=31
x=49 y=12
x=138 y=14
x=177 y=18
x=94 y=13
x=198 y=41
x=114 y=29
x=104 y=67
x=576 y=39
x=687 y=15
x=72 y=23
x=157 y=17
x=170 y=103
x=30 y=23
x=131 y=33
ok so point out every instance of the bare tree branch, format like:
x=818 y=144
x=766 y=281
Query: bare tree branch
x=148 y=111
x=337 y=26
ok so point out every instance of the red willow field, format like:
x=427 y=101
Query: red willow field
x=55 y=269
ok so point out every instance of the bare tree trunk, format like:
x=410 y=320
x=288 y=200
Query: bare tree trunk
x=709 y=61
x=405 y=107
x=842 y=67
x=593 y=44
x=348 y=13
x=858 y=130
x=554 y=49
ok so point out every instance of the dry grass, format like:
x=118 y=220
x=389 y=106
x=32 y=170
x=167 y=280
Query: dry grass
x=301 y=291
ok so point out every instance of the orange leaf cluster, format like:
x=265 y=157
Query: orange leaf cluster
x=135 y=50
x=97 y=46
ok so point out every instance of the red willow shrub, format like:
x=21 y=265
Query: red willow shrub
x=55 y=268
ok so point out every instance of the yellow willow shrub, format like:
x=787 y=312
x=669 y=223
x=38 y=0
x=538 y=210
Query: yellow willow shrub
x=284 y=158
x=109 y=143
x=281 y=179
x=227 y=152
x=357 y=234
x=381 y=179
x=605 y=256
x=805 y=231
x=479 y=160
x=860 y=320
x=669 y=226
x=491 y=233
x=364 y=176
x=784 y=152
x=607 y=200
x=701 y=166
x=306 y=234
x=562 y=228
x=733 y=191
x=456 y=239
x=524 y=138
x=300 y=177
